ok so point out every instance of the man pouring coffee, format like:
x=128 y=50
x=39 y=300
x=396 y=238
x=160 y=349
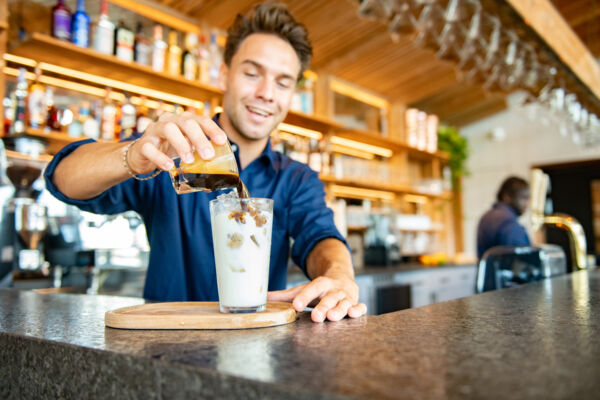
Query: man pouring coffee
x=265 y=54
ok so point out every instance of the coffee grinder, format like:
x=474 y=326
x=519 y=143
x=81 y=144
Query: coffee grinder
x=24 y=221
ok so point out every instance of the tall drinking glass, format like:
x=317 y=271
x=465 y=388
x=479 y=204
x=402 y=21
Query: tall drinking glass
x=241 y=230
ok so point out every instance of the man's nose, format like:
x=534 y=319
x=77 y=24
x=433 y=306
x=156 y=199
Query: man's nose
x=266 y=90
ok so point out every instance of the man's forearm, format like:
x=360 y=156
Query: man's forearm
x=330 y=257
x=90 y=170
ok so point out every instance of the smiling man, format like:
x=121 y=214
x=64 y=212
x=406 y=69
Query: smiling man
x=266 y=53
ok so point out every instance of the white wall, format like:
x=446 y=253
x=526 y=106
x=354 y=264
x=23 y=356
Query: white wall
x=532 y=136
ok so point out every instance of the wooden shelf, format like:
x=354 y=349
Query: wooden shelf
x=15 y=155
x=44 y=48
x=3 y=25
x=397 y=189
x=395 y=145
x=315 y=122
x=56 y=140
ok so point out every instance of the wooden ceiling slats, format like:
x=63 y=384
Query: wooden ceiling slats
x=361 y=51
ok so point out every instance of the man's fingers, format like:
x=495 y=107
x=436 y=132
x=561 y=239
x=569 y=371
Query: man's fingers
x=192 y=130
x=176 y=138
x=340 y=310
x=311 y=291
x=159 y=158
x=211 y=129
x=319 y=313
x=284 y=295
x=357 y=310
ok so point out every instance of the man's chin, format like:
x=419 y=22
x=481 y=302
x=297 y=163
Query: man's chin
x=257 y=133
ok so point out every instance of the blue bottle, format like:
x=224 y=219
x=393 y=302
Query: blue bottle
x=80 y=25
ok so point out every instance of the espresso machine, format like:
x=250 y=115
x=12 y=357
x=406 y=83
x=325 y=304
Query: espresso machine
x=23 y=220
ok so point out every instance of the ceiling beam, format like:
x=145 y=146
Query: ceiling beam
x=558 y=35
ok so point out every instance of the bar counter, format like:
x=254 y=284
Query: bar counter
x=536 y=341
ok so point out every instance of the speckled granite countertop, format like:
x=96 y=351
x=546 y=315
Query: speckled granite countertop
x=537 y=341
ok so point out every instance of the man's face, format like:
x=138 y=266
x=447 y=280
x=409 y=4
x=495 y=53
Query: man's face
x=521 y=201
x=259 y=85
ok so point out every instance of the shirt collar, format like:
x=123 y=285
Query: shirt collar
x=267 y=156
x=508 y=207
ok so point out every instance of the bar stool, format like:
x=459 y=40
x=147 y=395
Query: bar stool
x=507 y=266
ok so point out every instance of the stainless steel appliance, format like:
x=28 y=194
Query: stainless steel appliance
x=507 y=266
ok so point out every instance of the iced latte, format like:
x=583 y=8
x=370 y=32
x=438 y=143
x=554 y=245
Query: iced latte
x=241 y=230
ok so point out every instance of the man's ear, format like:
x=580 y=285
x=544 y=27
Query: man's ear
x=222 y=81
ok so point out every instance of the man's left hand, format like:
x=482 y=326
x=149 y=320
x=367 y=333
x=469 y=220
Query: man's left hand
x=334 y=296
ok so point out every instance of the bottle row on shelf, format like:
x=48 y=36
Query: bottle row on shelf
x=198 y=59
x=115 y=117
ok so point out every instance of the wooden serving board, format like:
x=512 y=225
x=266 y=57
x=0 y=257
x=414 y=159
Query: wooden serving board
x=196 y=315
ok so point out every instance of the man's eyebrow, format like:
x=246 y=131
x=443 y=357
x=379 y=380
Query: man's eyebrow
x=261 y=67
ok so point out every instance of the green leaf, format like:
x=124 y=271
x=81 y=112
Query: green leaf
x=451 y=141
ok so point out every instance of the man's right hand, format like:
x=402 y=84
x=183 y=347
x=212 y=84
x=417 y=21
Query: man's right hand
x=174 y=135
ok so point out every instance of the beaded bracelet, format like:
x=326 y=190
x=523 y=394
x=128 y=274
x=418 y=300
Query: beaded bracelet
x=126 y=165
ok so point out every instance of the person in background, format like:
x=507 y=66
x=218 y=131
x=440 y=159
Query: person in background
x=265 y=55
x=500 y=226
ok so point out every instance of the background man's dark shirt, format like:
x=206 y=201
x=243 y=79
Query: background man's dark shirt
x=500 y=226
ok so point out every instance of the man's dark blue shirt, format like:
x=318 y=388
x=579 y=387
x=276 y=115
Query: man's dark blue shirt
x=500 y=226
x=181 y=265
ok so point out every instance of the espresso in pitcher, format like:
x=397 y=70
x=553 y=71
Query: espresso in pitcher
x=190 y=182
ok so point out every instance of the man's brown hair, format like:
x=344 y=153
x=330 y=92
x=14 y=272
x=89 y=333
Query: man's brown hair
x=271 y=18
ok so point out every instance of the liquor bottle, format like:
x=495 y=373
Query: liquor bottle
x=142 y=118
x=80 y=26
x=97 y=116
x=189 y=61
x=9 y=114
x=89 y=124
x=109 y=111
x=142 y=51
x=159 y=49
x=128 y=118
x=104 y=31
x=203 y=61
x=174 y=54
x=52 y=117
x=61 y=21
x=118 y=120
x=215 y=59
x=36 y=102
x=124 y=39
x=314 y=156
x=75 y=128
x=20 y=103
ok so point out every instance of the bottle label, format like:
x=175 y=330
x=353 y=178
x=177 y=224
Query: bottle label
x=62 y=24
x=124 y=49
